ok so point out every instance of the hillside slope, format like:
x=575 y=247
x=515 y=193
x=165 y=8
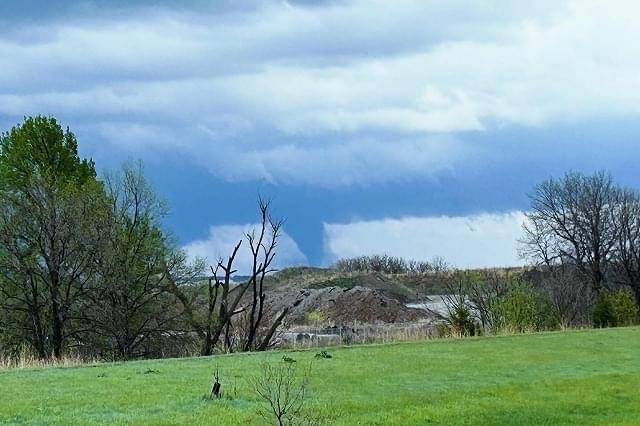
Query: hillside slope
x=344 y=298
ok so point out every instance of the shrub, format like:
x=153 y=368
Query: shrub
x=340 y=282
x=443 y=330
x=519 y=310
x=284 y=390
x=603 y=312
x=316 y=317
x=461 y=320
x=390 y=265
x=615 y=309
x=625 y=308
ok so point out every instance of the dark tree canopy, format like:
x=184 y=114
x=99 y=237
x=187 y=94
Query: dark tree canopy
x=86 y=264
x=52 y=211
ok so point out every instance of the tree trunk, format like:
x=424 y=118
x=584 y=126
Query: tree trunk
x=57 y=324
x=36 y=319
x=274 y=327
x=57 y=328
x=206 y=344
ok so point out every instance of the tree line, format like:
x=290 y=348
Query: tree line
x=387 y=264
x=583 y=233
x=581 y=241
x=86 y=266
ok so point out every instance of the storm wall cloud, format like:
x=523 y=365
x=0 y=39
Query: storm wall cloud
x=347 y=98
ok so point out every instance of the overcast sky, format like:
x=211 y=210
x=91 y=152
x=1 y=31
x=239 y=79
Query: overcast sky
x=408 y=127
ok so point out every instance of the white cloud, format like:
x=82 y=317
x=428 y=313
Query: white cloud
x=359 y=162
x=356 y=74
x=223 y=238
x=483 y=240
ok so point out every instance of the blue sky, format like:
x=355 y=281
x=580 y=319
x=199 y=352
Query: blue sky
x=410 y=127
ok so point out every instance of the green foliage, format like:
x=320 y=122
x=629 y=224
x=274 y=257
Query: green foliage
x=131 y=267
x=603 y=311
x=323 y=355
x=519 y=310
x=548 y=315
x=340 y=282
x=297 y=272
x=615 y=309
x=625 y=308
x=461 y=320
x=316 y=317
x=443 y=330
x=40 y=150
x=78 y=257
x=52 y=209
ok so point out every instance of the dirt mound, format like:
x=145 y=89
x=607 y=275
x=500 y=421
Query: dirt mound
x=336 y=305
x=296 y=279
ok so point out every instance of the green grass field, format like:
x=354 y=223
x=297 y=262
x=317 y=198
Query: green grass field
x=578 y=377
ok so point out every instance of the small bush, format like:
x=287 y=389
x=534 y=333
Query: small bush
x=284 y=390
x=616 y=309
x=603 y=312
x=443 y=330
x=323 y=355
x=461 y=320
x=390 y=265
x=519 y=310
x=316 y=317
x=625 y=308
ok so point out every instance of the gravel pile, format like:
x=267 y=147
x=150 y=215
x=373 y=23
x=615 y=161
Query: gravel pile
x=337 y=306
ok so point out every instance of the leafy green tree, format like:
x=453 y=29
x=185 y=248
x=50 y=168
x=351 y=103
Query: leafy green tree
x=52 y=208
x=129 y=304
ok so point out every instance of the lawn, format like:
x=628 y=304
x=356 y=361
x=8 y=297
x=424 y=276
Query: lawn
x=577 y=377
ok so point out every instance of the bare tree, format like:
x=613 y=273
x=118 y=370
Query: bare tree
x=572 y=221
x=229 y=302
x=284 y=390
x=626 y=269
x=570 y=297
x=262 y=245
x=226 y=301
x=208 y=322
x=483 y=290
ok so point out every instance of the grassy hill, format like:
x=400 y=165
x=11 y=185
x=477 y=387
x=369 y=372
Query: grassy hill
x=578 y=377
